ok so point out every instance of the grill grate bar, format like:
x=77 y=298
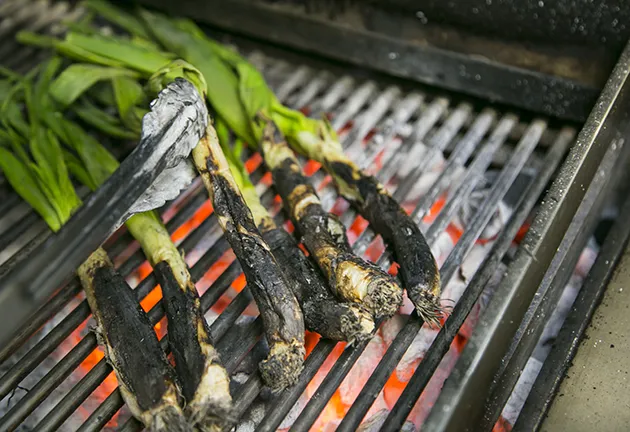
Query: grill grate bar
x=508 y=174
x=473 y=176
x=296 y=80
x=332 y=381
x=338 y=91
x=353 y=104
x=500 y=188
x=229 y=320
x=313 y=87
x=285 y=402
x=445 y=337
x=462 y=151
x=439 y=141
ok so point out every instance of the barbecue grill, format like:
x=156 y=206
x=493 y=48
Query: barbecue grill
x=478 y=136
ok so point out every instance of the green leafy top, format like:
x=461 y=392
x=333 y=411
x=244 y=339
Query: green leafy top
x=33 y=163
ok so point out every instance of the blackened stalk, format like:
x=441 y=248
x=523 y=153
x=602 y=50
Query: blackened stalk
x=323 y=313
x=279 y=309
x=350 y=277
x=417 y=266
x=205 y=382
x=146 y=379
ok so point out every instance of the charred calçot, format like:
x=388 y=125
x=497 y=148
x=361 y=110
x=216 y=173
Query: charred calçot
x=205 y=383
x=323 y=313
x=418 y=269
x=279 y=309
x=147 y=381
x=349 y=277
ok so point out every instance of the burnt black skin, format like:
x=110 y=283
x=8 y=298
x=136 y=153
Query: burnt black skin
x=184 y=316
x=323 y=313
x=140 y=362
x=279 y=309
x=418 y=269
x=314 y=224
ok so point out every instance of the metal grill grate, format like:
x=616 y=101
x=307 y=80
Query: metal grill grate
x=384 y=128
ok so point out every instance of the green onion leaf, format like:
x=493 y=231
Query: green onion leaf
x=76 y=79
x=118 y=16
x=25 y=184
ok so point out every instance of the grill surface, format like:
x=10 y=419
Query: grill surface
x=384 y=128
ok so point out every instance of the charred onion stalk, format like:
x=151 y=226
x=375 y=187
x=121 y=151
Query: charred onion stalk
x=34 y=166
x=323 y=313
x=145 y=377
x=279 y=309
x=418 y=268
x=239 y=94
x=283 y=320
x=323 y=234
x=204 y=381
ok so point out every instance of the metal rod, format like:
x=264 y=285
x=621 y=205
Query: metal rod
x=568 y=340
x=445 y=337
x=551 y=289
x=460 y=401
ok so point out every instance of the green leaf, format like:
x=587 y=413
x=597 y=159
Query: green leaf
x=223 y=83
x=98 y=162
x=128 y=94
x=75 y=167
x=121 y=51
x=24 y=183
x=102 y=121
x=66 y=48
x=118 y=16
x=42 y=85
x=76 y=79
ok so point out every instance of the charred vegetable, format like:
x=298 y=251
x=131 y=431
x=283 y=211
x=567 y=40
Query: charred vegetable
x=350 y=277
x=279 y=309
x=205 y=383
x=33 y=162
x=244 y=97
x=418 y=268
x=323 y=313
x=284 y=323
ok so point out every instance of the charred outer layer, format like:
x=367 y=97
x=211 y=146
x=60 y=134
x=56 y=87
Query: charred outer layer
x=147 y=381
x=418 y=269
x=323 y=313
x=279 y=309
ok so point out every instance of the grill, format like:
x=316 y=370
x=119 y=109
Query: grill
x=472 y=174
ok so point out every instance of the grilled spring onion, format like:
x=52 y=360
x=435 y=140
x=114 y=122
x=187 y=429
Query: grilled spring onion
x=323 y=313
x=204 y=381
x=316 y=140
x=283 y=320
x=147 y=381
x=350 y=277
x=279 y=309
x=418 y=268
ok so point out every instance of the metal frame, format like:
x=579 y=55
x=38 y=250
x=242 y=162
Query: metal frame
x=469 y=74
x=460 y=405
x=566 y=344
